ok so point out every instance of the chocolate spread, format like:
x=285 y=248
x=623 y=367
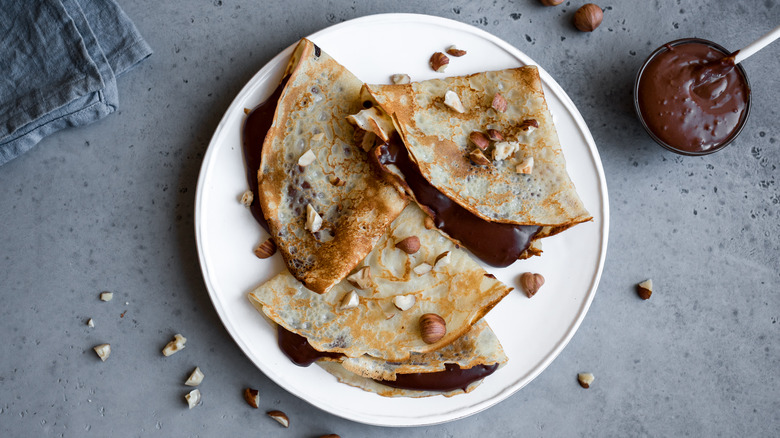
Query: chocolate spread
x=256 y=125
x=298 y=349
x=495 y=243
x=692 y=97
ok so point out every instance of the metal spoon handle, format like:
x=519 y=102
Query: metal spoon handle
x=757 y=45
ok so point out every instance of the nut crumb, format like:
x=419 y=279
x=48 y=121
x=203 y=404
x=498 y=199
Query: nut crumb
x=196 y=377
x=193 y=398
x=103 y=351
x=177 y=344
x=400 y=78
x=585 y=379
x=246 y=198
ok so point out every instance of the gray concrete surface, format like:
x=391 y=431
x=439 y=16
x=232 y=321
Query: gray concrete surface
x=110 y=207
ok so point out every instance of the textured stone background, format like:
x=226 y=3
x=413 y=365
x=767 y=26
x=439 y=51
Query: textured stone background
x=110 y=207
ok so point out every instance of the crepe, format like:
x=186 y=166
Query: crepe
x=456 y=288
x=437 y=139
x=354 y=203
x=478 y=347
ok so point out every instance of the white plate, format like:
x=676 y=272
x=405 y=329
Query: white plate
x=533 y=332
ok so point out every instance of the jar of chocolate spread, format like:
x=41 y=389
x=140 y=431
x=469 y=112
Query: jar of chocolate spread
x=691 y=97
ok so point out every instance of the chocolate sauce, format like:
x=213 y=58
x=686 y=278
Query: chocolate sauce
x=495 y=243
x=452 y=378
x=298 y=349
x=691 y=97
x=256 y=126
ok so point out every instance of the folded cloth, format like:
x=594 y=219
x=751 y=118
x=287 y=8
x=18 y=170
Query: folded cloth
x=58 y=65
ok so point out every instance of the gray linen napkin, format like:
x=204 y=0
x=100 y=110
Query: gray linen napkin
x=58 y=65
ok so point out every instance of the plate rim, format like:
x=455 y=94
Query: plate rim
x=548 y=81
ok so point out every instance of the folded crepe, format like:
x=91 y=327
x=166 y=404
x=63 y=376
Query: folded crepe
x=325 y=204
x=454 y=369
x=359 y=315
x=437 y=134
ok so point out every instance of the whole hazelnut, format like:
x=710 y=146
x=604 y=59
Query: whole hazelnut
x=432 y=328
x=588 y=17
x=531 y=283
x=551 y=2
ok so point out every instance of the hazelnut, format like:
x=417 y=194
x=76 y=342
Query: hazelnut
x=336 y=181
x=247 y=197
x=528 y=125
x=452 y=100
x=645 y=289
x=400 y=78
x=429 y=223
x=477 y=157
x=410 y=245
x=499 y=103
x=307 y=158
x=404 y=302
x=313 y=219
x=350 y=300
x=442 y=259
x=439 y=61
x=495 y=135
x=585 y=379
x=103 y=351
x=318 y=137
x=193 y=398
x=531 y=283
x=505 y=149
x=280 y=417
x=266 y=249
x=422 y=268
x=479 y=139
x=588 y=17
x=361 y=279
x=432 y=328
x=551 y=2
x=456 y=52
x=91 y=323
x=526 y=166
x=175 y=345
x=106 y=296
x=195 y=378
x=252 y=396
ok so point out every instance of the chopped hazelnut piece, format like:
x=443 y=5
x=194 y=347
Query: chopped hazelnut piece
x=526 y=166
x=456 y=52
x=452 y=100
x=196 y=377
x=336 y=181
x=313 y=219
x=422 y=268
x=280 y=417
x=480 y=140
x=400 y=78
x=91 y=323
x=177 y=344
x=443 y=259
x=645 y=289
x=361 y=279
x=193 y=398
x=265 y=249
x=106 y=296
x=495 y=135
x=439 y=62
x=350 y=301
x=404 y=302
x=246 y=198
x=252 y=397
x=318 y=136
x=505 y=149
x=307 y=158
x=477 y=157
x=585 y=379
x=499 y=103
x=103 y=351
